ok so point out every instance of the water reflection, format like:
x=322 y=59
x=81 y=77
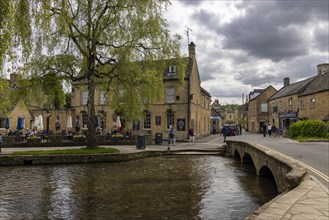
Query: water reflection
x=175 y=187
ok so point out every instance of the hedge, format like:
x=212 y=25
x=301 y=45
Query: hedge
x=309 y=128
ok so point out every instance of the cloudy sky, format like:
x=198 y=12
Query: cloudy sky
x=246 y=45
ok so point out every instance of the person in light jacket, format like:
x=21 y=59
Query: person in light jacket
x=171 y=139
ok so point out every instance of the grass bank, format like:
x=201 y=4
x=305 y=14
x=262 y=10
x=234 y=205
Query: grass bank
x=95 y=150
x=306 y=139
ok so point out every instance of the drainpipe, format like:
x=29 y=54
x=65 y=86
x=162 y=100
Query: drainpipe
x=189 y=103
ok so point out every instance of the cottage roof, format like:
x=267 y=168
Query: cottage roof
x=261 y=91
x=318 y=84
x=292 y=89
x=205 y=92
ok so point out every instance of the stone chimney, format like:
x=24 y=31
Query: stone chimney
x=323 y=68
x=286 y=81
x=191 y=50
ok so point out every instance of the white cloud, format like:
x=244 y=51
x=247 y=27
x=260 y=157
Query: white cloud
x=242 y=45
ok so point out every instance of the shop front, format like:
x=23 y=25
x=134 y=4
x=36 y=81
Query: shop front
x=286 y=119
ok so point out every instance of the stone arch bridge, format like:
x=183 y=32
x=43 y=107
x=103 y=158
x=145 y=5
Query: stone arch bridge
x=286 y=172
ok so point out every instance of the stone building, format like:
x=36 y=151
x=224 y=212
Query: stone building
x=217 y=116
x=19 y=109
x=306 y=99
x=258 y=108
x=314 y=99
x=183 y=105
x=232 y=116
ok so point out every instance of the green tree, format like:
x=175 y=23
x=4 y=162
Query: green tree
x=5 y=102
x=120 y=44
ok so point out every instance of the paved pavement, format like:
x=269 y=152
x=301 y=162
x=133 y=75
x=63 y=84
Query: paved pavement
x=310 y=200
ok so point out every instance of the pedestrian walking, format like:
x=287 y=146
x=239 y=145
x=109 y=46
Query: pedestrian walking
x=269 y=129
x=214 y=128
x=171 y=139
x=224 y=132
x=1 y=142
x=191 y=135
x=264 y=129
x=274 y=130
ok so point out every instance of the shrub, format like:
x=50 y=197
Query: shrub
x=79 y=138
x=118 y=135
x=309 y=128
x=33 y=139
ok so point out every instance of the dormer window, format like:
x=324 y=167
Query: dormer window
x=172 y=70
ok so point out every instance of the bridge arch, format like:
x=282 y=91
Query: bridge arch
x=266 y=172
x=286 y=173
x=237 y=155
x=247 y=159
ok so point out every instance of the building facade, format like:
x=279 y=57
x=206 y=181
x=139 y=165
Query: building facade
x=306 y=99
x=18 y=110
x=314 y=100
x=217 y=116
x=184 y=104
x=258 y=112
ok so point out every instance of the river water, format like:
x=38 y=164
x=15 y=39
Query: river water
x=169 y=187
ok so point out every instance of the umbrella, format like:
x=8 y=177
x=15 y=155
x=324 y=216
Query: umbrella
x=40 y=123
x=96 y=121
x=19 y=124
x=57 y=123
x=77 y=123
x=69 y=122
x=35 y=122
x=7 y=123
x=118 y=123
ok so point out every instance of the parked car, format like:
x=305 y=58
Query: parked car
x=233 y=129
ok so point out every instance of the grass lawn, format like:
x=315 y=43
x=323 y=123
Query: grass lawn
x=304 y=139
x=94 y=150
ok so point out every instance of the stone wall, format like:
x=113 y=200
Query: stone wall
x=255 y=116
x=68 y=159
x=320 y=111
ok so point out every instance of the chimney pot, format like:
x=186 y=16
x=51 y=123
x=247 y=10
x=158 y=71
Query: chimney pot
x=323 y=68
x=286 y=81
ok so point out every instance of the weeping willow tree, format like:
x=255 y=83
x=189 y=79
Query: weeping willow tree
x=5 y=102
x=120 y=44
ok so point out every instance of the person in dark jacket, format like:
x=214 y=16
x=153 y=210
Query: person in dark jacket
x=264 y=129
x=191 y=135
x=225 y=132
x=1 y=142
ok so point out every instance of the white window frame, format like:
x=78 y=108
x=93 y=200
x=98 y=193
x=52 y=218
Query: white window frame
x=170 y=119
x=170 y=95
x=147 y=120
x=172 y=69
x=84 y=120
x=290 y=104
x=312 y=103
x=84 y=97
x=263 y=107
x=102 y=98
x=301 y=105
